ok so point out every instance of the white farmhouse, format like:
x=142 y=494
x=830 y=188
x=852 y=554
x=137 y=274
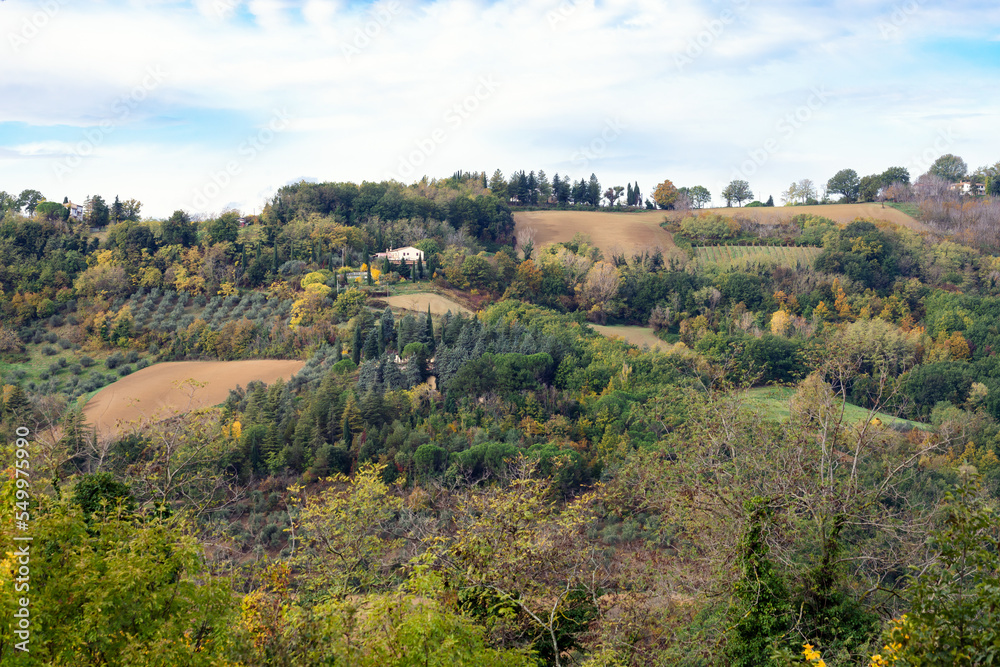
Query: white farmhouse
x=405 y=255
x=75 y=211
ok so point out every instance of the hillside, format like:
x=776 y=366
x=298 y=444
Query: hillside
x=641 y=230
x=607 y=231
x=840 y=213
x=167 y=389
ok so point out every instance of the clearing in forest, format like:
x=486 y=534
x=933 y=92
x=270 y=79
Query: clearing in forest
x=418 y=303
x=636 y=335
x=163 y=390
x=774 y=402
x=726 y=257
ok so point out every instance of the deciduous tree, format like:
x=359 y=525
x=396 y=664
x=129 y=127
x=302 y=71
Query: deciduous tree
x=846 y=183
x=737 y=191
x=665 y=194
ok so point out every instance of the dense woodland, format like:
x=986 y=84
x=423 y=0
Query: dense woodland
x=510 y=487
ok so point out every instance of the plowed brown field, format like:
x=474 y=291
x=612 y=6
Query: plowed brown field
x=642 y=231
x=161 y=391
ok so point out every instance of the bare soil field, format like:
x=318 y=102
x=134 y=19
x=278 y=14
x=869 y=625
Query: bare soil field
x=641 y=230
x=607 y=231
x=162 y=390
x=841 y=213
x=636 y=335
x=418 y=303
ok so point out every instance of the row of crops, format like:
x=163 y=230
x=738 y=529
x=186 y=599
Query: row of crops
x=173 y=311
x=750 y=257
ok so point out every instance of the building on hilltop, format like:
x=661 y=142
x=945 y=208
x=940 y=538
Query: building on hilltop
x=405 y=255
x=968 y=188
x=75 y=211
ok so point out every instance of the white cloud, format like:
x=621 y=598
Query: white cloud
x=364 y=87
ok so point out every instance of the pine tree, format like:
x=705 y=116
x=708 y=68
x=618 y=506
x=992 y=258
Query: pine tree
x=117 y=211
x=17 y=405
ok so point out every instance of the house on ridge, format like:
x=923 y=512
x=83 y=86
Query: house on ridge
x=75 y=211
x=404 y=255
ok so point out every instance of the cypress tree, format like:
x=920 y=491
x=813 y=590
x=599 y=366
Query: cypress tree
x=420 y=268
x=275 y=267
x=371 y=344
x=356 y=345
x=388 y=326
x=429 y=329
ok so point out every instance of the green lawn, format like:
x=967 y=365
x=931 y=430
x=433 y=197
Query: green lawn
x=909 y=208
x=774 y=402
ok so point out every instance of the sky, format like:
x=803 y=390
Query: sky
x=210 y=105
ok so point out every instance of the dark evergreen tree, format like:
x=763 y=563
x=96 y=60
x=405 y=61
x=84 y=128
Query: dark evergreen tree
x=117 y=211
x=356 y=343
x=370 y=348
x=429 y=330
x=593 y=191
x=388 y=327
